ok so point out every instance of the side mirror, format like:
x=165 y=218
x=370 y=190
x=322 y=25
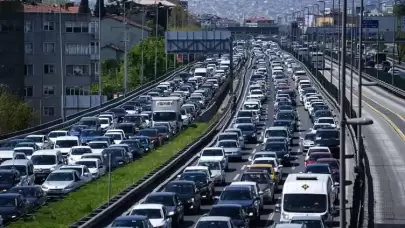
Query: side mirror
x=170 y=214
x=249 y=159
x=336 y=184
x=86 y=174
x=277 y=208
x=261 y=193
x=280 y=166
x=198 y=154
x=178 y=176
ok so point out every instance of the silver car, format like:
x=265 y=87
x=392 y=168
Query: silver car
x=83 y=171
x=232 y=148
x=62 y=182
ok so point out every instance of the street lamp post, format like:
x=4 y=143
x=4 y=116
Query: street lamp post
x=333 y=40
x=317 y=37
x=352 y=59
x=359 y=87
x=324 y=36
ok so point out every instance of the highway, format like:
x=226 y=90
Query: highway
x=268 y=216
x=384 y=141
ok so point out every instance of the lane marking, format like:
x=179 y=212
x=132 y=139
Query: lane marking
x=243 y=167
x=236 y=177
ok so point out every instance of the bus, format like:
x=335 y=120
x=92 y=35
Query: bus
x=317 y=60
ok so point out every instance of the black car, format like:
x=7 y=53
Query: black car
x=9 y=178
x=203 y=183
x=321 y=113
x=329 y=138
x=34 y=196
x=284 y=123
x=287 y=115
x=234 y=211
x=119 y=113
x=280 y=148
x=134 y=147
x=12 y=206
x=172 y=202
x=188 y=194
x=249 y=132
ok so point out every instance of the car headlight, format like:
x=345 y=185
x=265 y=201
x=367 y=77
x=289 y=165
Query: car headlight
x=190 y=200
x=44 y=187
x=285 y=216
x=254 y=134
x=52 y=168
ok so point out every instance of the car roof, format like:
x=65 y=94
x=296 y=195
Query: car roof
x=148 y=206
x=15 y=162
x=214 y=218
x=131 y=217
x=318 y=164
x=318 y=153
x=181 y=182
x=162 y=194
x=307 y=217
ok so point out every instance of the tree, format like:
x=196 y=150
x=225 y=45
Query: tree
x=14 y=114
x=399 y=12
x=99 y=7
x=84 y=7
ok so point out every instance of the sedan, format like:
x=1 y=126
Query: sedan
x=172 y=203
x=236 y=212
x=232 y=149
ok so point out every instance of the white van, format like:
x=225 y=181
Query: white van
x=25 y=167
x=201 y=72
x=6 y=155
x=55 y=134
x=308 y=194
x=65 y=143
x=45 y=162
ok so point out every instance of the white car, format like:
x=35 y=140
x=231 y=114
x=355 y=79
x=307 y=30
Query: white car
x=55 y=134
x=105 y=122
x=316 y=149
x=76 y=153
x=328 y=120
x=215 y=166
x=215 y=153
x=96 y=168
x=116 y=136
x=83 y=171
x=97 y=146
x=157 y=214
x=270 y=161
x=258 y=93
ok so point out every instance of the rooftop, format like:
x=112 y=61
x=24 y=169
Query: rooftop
x=46 y=8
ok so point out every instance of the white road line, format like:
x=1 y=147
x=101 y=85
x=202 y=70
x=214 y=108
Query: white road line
x=243 y=167
x=236 y=177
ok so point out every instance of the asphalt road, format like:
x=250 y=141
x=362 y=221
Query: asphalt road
x=384 y=142
x=268 y=215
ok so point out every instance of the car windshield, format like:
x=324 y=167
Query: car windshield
x=197 y=178
x=285 y=116
x=329 y=121
x=236 y=194
x=267 y=155
x=27 y=152
x=320 y=107
x=180 y=188
x=80 y=151
x=227 y=144
x=246 y=127
x=323 y=169
x=88 y=164
x=245 y=114
x=166 y=200
x=275 y=133
x=281 y=124
x=20 y=168
x=212 y=224
x=104 y=121
x=275 y=147
x=96 y=145
x=164 y=116
x=257 y=92
x=78 y=169
x=24 y=191
x=332 y=163
x=6 y=178
x=227 y=136
x=114 y=136
x=150 y=133
x=265 y=162
x=327 y=134
x=8 y=202
x=66 y=143
x=310 y=136
x=56 y=134
x=251 y=106
x=38 y=139
x=304 y=203
x=259 y=178
x=243 y=120
x=323 y=113
x=309 y=223
x=128 y=223
x=231 y=212
x=60 y=176
x=43 y=159
x=209 y=152
x=150 y=213
x=88 y=122
x=314 y=157
x=212 y=165
x=87 y=133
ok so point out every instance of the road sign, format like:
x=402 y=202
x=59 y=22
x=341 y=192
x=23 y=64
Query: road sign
x=370 y=23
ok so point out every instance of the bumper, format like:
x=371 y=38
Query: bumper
x=41 y=176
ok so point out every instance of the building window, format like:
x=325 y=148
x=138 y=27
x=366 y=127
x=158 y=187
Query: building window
x=77 y=90
x=28 y=48
x=49 y=90
x=49 y=25
x=49 y=111
x=95 y=67
x=49 y=47
x=29 y=91
x=94 y=27
x=28 y=70
x=77 y=49
x=77 y=70
x=76 y=27
x=49 y=69
x=27 y=26
x=94 y=47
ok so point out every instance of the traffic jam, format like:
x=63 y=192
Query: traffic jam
x=275 y=165
x=41 y=168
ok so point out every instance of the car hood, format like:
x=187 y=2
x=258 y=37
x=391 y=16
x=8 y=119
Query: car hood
x=234 y=149
x=7 y=210
x=157 y=222
x=6 y=186
x=43 y=166
x=76 y=157
x=57 y=184
x=244 y=203
x=97 y=150
x=185 y=197
x=93 y=170
x=216 y=172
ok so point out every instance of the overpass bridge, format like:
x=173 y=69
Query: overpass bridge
x=243 y=32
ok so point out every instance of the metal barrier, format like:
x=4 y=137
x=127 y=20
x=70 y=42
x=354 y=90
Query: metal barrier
x=58 y=124
x=333 y=93
x=116 y=206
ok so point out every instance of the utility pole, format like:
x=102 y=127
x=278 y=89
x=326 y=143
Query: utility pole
x=142 y=44
x=99 y=54
x=352 y=59
x=359 y=87
x=125 y=53
x=62 y=75
x=333 y=40
x=156 y=38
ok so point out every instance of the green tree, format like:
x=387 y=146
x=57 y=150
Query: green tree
x=399 y=12
x=14 y=114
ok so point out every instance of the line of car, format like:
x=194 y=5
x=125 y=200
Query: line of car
x=42 y=167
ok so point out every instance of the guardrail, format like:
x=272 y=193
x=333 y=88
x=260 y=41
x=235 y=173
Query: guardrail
x=58 y=124
x=393 y=84
x=332 y=93
x=116 y=206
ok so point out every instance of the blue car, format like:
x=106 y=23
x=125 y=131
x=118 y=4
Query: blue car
x=244 y=196
x=76 y=130
x=145 y=142
x=11 y=144
x=86 y=135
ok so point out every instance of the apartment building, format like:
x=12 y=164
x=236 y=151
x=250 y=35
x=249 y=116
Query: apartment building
x=61 y=57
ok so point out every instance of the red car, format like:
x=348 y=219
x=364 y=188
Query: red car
x=313 y=157
x=334 y=166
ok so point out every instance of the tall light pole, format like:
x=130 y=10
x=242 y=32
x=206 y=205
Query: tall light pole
x=62 y=75
x=125 y=52
x=324 y=36
x=317 y=37
x=306 y=8
x=342 y=174
x=359 y=84
x=352 y=59
x=142 y=44
x=99 y=54
x=333 y=40
x=339 y=47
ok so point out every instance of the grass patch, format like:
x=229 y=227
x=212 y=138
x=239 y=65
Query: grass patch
x=63 y=213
